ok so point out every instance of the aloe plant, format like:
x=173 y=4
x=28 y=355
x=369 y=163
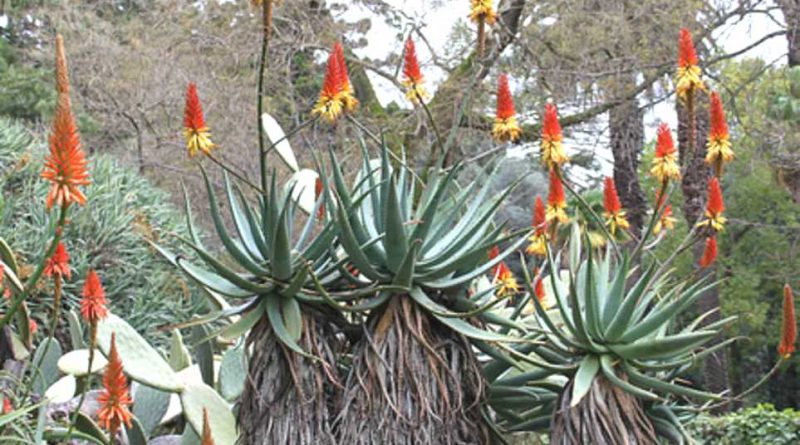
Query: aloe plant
x=266 y=276
x=613 y=352
x=414 y=375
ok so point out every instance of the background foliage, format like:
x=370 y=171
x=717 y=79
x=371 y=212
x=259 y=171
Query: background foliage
x=109 y=235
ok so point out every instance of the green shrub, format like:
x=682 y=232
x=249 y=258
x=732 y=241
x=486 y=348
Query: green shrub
x=760 y=425
x=108 y=234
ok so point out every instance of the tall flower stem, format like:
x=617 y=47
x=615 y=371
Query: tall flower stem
x=662 y=204
x=88 y=383
x=439 y=140
x=262 y=64
x=481 y=36
x=37 y=273
x=50 y=334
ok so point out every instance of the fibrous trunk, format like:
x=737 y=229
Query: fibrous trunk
x=413 y=381
x=288 y=398
x=605 y=415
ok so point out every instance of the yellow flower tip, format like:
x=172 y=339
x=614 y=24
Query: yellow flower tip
x=556 y=213
x=506 y=284
x=714 y=221
x=506 y=130
x=666 y=168
x=415 y=92
x=616 y=220
x=688 y=79
x=329 y=108
x=719 y=151
x=198 y=140
x=347 y=98
x=482 y=10
x=553 y=154
x=538 y=245
x=664 y=223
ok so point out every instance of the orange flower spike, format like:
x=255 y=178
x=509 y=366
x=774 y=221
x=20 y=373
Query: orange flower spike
x=93 y=303
x=328 y=105
x=688 y=76
x=714 y=207
x=346 y=95
x=556 y=202
x=482 y=10
x=710 y=252
x=412 y=76
x=207 y=438
x=788 y=325
x=65 y=165
x=114 y=399
x=58 y=264
x=538 y=241
x=197 y=135
x=7 y=406
x=506 y=128
x=551 y=145
x=615 y=216
x=665 y=162
x=718 y=147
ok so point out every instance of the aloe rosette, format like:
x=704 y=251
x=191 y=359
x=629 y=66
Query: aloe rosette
x=423 y=246
x=265 y=279
x=613 y=347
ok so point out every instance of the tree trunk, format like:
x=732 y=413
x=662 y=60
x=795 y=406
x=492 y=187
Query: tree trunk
x=694 y=185
x=627 y=138
x=605 y=415
x=288 y=399
x=791 y=14
x=413 y=382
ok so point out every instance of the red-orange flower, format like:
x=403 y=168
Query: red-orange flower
x=556 y=202
x=504 y=281
x=493 y=253
x=198 y=136
x=346 y=94
x=207 y=438
x=714 y=207
x=7 y=406
x=552 y=149
x=65 y=165
x=710 y=252
x=789 y=324
x=32 y=326
x=538 y=241
x=328 y=105
x=114 y=399
x=318 y=189
x=665 y=162
x=58 y=264
x=538 y=286
x=615 y=216
x=412 y=76
x=505 y=126
x=688 y=76
x=718 y=147
x=93 y=304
